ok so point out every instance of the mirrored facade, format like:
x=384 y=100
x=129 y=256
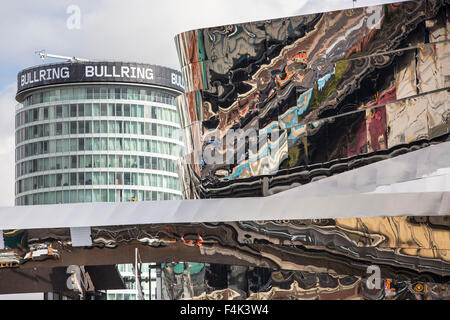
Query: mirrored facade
x=312 y=93
x=257 y=260
x=279 y=104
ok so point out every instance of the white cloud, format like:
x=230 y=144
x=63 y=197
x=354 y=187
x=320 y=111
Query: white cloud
x=7 y=145
x=139 y=30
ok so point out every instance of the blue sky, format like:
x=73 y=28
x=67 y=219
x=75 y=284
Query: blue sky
x=134 y=30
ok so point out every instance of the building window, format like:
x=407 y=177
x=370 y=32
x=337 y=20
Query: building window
x=81 y=110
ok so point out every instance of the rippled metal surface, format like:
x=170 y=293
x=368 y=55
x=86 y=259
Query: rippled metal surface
x=331 y=87
x=289 y=259
x=200 y=281
x=333 y=91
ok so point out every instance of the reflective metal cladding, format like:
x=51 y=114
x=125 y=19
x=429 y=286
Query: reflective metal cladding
x=271 y=105
x=275 y=97
x=346 y=258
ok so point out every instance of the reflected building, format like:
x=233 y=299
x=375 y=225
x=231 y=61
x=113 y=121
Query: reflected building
x=148 y=275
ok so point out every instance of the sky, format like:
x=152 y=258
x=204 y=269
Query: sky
x=115 y=30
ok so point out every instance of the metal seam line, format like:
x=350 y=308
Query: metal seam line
x=419 y=46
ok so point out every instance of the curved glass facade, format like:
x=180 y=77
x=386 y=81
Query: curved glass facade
x=83 y=143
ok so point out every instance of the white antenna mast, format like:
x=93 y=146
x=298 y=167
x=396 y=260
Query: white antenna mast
x=44 y=55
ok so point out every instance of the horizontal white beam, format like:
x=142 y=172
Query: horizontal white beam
x=226 y=210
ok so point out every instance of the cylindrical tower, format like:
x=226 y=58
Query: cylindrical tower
x=97 y=131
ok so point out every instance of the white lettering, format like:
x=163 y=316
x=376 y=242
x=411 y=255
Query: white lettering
x=177 y=80
x=114 y=72
x=93 y=71
x=99 y=71
x=35 y=79
x=107 y=75
x=56 y=73
x=133 y=72
x=42 y=75
x=65 y=73
x=89 y=71
x=125 y=70
x=193 y=310
x=149 y=74
x=141 y=73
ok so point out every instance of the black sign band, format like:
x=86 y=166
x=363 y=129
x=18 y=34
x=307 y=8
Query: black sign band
x=80 y=72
